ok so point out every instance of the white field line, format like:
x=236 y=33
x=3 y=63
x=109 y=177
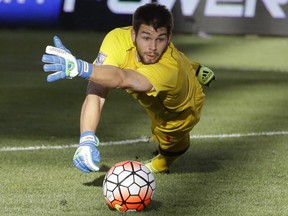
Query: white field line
x=145 y=139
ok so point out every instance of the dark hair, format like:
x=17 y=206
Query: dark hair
x=153 y=14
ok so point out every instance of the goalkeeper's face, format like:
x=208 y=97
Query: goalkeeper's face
x=150 y=43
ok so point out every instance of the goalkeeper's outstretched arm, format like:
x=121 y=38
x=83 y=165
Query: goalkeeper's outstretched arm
x=114 y=77
x=63 y=65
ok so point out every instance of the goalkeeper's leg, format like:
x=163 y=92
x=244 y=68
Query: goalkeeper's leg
x=174 y=140
x=161 y=162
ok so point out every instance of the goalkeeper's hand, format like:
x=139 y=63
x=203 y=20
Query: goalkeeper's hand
x=63 y=64
x=87 y=157
x=205 y=75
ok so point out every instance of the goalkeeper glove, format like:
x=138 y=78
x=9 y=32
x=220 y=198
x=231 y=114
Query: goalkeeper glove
x=63 y=63
x=205 y=75
x=87 y=157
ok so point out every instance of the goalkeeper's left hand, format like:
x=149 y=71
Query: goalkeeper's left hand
x=205 y=75
x=87 y=156
x=63 y=64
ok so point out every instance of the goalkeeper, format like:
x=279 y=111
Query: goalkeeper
x=142 y=60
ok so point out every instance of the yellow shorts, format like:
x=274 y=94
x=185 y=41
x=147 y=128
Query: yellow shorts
x=173 y=136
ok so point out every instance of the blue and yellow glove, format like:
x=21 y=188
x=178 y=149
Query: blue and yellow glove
x=63 y=64
x=87 y=156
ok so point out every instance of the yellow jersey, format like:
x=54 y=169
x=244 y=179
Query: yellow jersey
x=173 y=76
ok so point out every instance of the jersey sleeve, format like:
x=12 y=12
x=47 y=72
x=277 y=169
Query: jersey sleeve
x=111 y=49
x=195 y=65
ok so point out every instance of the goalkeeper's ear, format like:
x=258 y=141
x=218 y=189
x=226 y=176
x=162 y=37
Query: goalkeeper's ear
x=205 y=75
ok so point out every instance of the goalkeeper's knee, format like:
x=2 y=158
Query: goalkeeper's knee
x=205 y=75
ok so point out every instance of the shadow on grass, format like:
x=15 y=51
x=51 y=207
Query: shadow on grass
x=204 y=157
x=98 y=182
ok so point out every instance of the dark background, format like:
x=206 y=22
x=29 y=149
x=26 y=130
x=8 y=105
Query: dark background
x=96 y=15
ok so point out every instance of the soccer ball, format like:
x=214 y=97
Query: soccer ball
x=128 y=186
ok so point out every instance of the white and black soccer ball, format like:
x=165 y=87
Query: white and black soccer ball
x=128 y=186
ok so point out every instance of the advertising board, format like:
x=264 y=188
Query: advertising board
x=21 y=12
x=261 y=17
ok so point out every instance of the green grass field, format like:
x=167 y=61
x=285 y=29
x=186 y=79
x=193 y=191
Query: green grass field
x=237 y=162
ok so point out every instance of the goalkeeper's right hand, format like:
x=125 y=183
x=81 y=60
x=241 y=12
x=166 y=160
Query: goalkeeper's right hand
x=63 y=64
x=87 y=157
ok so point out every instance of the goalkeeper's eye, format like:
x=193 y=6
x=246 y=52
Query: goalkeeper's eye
x=146 y=38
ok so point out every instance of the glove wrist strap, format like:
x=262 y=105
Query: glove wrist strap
x=89 y=137
x=85 y=69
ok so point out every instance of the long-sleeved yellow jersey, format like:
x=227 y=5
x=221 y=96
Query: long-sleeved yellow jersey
x=176 y=87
